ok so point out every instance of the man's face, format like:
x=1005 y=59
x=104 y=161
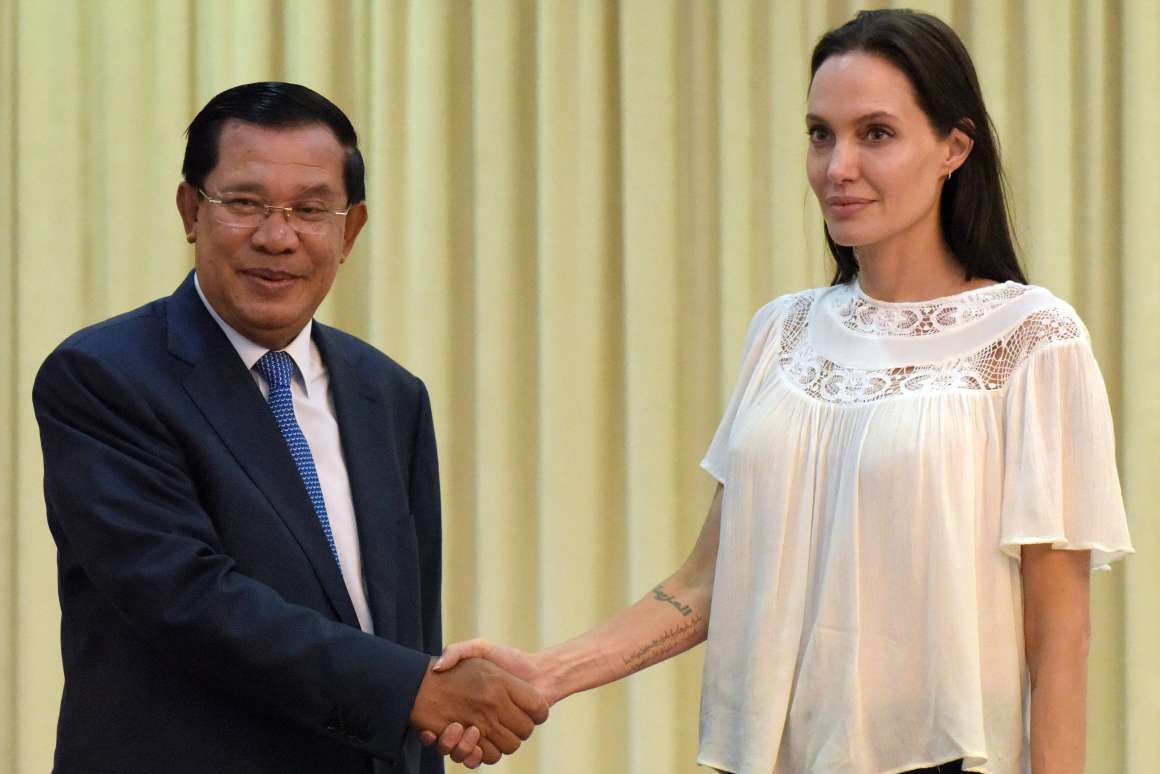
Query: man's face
x=267 y=281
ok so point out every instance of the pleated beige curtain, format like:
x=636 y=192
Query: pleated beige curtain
x=576 y=205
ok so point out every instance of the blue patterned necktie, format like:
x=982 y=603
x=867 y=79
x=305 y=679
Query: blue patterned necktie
x=276 y=368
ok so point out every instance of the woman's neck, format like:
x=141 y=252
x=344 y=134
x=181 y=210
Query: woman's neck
x=915 y=272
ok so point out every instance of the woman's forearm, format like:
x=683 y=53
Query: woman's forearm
x=1058 y=703
x=670 y=619
x=1056 y=630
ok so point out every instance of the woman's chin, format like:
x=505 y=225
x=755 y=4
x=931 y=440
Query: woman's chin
x=847 y=238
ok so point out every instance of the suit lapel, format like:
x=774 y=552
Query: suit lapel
x=232 y=404
x=364 y=423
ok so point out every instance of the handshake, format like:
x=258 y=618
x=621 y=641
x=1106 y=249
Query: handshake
x=479 y=701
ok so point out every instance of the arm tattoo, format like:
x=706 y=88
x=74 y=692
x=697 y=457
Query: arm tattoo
x=662 y=596
x=672 y=640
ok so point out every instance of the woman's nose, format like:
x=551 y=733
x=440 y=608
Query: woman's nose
x=843 y=162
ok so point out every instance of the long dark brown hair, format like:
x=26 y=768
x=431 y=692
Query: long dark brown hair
x=973 y=211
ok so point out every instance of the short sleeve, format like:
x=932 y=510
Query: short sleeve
x=756 y=341
x=1060 y=484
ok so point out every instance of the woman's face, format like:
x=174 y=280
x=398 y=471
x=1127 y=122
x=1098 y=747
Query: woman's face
x=875 y=162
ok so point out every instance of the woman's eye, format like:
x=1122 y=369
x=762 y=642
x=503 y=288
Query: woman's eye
x=878 y=133
x=818 y=134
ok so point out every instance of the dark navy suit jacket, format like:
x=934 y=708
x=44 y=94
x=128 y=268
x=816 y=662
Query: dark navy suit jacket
x=205 y=625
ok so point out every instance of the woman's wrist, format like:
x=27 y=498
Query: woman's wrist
x=549 y=676
x=569 y=668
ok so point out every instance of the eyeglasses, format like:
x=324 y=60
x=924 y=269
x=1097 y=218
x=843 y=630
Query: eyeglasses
x=241 y=211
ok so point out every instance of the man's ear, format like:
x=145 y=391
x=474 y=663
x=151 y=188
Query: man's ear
x=959 y=146
x=187 y=201
x=355 y=220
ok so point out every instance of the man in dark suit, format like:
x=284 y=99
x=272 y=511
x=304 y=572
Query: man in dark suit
x=246 y=502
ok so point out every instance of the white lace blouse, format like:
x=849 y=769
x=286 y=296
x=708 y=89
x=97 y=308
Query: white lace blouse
x=883 y=463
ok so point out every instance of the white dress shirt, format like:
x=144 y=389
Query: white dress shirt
x=314 y=409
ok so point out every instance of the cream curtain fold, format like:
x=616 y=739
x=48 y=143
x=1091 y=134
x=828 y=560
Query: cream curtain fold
x=576 y=205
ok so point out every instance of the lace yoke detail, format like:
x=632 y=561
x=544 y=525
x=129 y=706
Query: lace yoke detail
x=986 y=368
x=859 y=313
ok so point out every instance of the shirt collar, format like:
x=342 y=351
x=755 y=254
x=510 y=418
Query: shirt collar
x=302 y=350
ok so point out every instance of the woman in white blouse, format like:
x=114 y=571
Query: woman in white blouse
x=917 y=469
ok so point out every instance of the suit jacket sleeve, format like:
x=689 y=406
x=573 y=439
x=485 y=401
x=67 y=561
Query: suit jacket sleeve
x=121 y=499
x=424 y=497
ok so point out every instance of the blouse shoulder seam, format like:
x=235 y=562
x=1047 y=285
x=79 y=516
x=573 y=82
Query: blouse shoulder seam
x=775 y=308
x=1044 y=347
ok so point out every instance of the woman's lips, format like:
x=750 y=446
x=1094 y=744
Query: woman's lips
x=845 y=206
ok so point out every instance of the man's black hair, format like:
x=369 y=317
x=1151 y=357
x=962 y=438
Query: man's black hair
x=271 y=104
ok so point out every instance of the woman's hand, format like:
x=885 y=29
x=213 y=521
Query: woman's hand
x=529 y=667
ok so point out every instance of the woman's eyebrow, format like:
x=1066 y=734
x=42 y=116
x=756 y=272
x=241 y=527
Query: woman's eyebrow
x=876 y=115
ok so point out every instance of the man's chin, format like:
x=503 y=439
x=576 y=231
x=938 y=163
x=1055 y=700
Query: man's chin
x=273 y=328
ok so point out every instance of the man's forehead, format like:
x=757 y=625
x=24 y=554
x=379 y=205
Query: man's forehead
x=236 y=131
x=239 y=182
x=248 y=154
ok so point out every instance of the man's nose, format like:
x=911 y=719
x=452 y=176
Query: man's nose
x=275 y=234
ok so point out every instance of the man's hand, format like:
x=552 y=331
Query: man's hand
x=457 y=740
x=461 y=744
x=502 y=708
